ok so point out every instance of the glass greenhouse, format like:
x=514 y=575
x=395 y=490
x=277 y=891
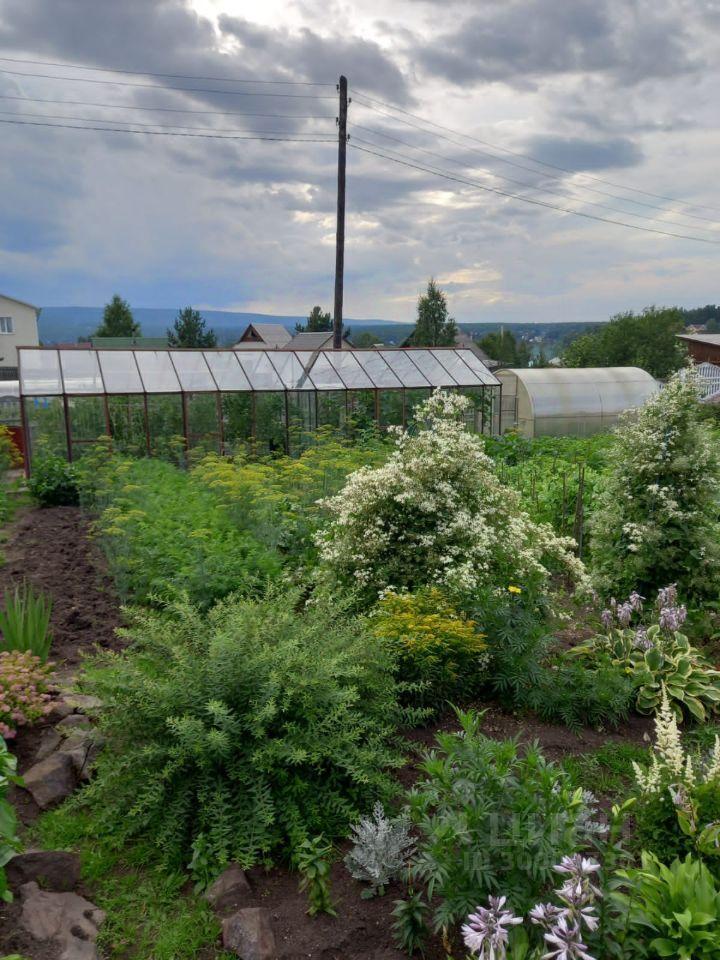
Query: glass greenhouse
x=575 y=401
x=152 y=402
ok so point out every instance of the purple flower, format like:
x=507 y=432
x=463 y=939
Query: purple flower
x=608 y=618
x=636 y=601
x=486 y=932
x=624 y=613
x=642 y=641
x=546 y=914
x=667 y=596
x=672 y=618
x=565 y=942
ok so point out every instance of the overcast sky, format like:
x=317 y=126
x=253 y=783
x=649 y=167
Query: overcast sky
x=627 y=91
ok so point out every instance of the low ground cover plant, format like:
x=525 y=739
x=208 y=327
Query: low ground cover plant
x=256 y=726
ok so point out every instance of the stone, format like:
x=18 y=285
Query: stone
x=52 y=780
x=50 y=740
x=230 y=891
x=82 y=702
x=249 y=935
x=82 y=745
x=67 y=918
x=50 y=869
x=72 y=722
x=58 y=711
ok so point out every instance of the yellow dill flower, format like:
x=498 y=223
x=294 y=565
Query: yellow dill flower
x=514 y=589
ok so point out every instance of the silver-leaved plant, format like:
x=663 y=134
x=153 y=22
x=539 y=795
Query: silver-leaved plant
x=382 y=848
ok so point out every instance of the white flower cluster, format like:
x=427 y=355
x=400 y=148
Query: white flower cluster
x=437 y=514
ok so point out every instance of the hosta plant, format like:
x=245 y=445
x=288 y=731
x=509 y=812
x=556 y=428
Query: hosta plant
x=9 y=840
x=382 y=848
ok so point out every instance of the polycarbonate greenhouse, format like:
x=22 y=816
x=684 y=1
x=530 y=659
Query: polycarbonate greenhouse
x=153 y=401
x=572 y=401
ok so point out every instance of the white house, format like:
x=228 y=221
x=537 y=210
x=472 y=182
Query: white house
x=18 y=328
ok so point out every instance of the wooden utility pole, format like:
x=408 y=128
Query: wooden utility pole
x=340 y=231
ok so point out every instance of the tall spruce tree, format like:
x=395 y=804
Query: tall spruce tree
x=118 y=320
x=433 y=328
x=317 y=322
x=189 y=330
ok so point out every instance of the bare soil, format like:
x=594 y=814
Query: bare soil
x=52 y=549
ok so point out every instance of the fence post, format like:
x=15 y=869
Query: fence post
x=579 y=509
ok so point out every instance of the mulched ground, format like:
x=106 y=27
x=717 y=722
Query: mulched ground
x=51 y=548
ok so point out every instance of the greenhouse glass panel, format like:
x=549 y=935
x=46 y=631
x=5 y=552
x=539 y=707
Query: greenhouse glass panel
x=157 y=371
x=227 y=371
x=87 y=423
x=413 y=399
x=302 y=419
x=191 y=368
x=361 y=410
x=479 y=414
x=291 y=372
x=81 y=371
x=349 y=370
x=457 y=368
x=332 y=411
x=120 y=371
x=324 y=376
x=478 y=367
x=391 y=408
x=127 y=424
x=400 y=362
x=376 y=368
x=432 y=369
x=165 y=422
x=40 y=372
x=259 y=370
x=46 y=426
x=237 y=421
x=202 y=421
x=270 y=436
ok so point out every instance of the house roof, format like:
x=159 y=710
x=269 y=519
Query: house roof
x=271 y=334
x=710 y=338
x=315 y=340
x=23 y=303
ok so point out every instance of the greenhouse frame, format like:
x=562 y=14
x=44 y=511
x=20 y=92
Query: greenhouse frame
x=160 y=402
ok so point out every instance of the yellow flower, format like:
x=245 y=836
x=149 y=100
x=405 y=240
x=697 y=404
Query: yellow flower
x=513 y=589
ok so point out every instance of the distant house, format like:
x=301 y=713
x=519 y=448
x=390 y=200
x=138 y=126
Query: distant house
x=702 y=347
x=18 y=328
x=319 y=340
x=263 y=336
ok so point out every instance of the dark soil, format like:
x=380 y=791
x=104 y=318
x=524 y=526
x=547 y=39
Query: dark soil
x=51 y=548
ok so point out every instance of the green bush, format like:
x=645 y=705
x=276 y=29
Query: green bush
x=165 y=534
x=9 y=840
x=671 y=911
x=54 y=482
x=254 y=727
x=492 y=819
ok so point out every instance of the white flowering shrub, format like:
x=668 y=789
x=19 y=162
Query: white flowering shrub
x=655 y=519
x=436 y=514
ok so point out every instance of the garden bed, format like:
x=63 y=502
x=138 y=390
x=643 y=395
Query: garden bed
x=52 y=549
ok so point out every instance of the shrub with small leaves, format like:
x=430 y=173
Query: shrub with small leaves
x=24 y=692
x=382 y=848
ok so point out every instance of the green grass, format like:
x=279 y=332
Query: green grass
x=152 y=913
x=607 y=771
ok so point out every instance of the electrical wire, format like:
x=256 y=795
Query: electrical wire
x=165 y=133
x=533 y=200
x=521 y=183
x=166 y=76
x=158 y=86
x=209 y=113
x=521 y=166
x=132 y=123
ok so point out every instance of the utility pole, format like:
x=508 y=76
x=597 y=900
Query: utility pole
x=340 y=231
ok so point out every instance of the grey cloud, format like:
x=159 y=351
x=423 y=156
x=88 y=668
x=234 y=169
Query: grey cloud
x=574 y=153
x=524 y=40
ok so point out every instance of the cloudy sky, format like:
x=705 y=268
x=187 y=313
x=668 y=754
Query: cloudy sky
x=613 y=97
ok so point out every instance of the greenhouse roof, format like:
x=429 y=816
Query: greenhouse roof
x=46 y=371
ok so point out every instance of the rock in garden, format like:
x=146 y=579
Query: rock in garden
x=51 y=869
x=59 y=710
x=230 y=892
x=82 y=746
x=82 y=702
x=51 y=780
x=72 y=722
x=66 y=918
x=49 y=742
x=249 y=935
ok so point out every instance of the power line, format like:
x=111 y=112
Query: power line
x=166 y=76
x=165 y=133
x=209 y=113
x=521 y=183
x=133 y=123
x=158 y=86
x=369 y=106
x=533 y=200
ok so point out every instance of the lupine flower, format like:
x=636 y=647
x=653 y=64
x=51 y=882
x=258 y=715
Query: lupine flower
x=565 y=942
x=487 y=931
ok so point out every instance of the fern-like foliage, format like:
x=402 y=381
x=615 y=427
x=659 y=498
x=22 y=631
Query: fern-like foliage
x=382 y=848
x=254 y=726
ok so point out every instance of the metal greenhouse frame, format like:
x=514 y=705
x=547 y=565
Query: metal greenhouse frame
x=275 y=391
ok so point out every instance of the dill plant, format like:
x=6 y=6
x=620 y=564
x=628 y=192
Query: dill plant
x=254 y=727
